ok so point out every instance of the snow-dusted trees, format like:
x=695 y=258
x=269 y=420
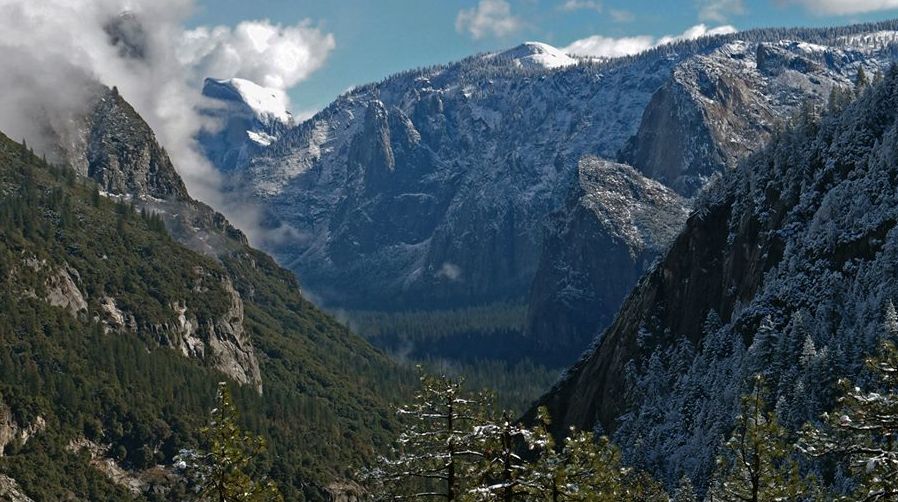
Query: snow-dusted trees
x=865 y=427
x=453 y=448
x=438 y=446
x=756 y=465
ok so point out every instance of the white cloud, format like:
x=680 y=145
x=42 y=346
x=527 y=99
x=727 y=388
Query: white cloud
x=608 y=47
x=621 y=16
x=270 y=55
x=842 y=7
x=719 y=11
x=488 y=18
x=51 y=51
x=572 y=5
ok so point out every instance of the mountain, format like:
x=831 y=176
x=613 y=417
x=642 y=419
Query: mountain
x=786 y=268
x=716 y=108
x=430 y=189
x=247 y=114
x=433 y=189
x=125 y=302
x=612 y=228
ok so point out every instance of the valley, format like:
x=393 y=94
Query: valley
x=647 y=268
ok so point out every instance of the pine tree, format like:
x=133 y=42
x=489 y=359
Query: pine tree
x=502 y=473
x=438 y=446
x=546 y=477
x=861 y=81
x=865 y=428
x=756 y=464
x=221 y=473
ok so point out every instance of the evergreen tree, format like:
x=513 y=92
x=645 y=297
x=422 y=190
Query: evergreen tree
x=439 y=444
x=502 y=472
x=222 y=473
x=756 y=464
x=861 y=81
x=865 y=429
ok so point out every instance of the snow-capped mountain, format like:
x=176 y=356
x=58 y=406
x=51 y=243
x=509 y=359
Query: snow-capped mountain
x=536 y=55
x=246 y=114
x=433 y=188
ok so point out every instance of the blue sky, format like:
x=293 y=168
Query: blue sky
x=375 y=38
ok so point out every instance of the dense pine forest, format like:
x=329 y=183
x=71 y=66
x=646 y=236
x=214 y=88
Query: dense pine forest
x=86 y=388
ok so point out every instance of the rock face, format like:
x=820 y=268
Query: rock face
x=231 y=349
x=10 y=491
x=784 y=269
x=247 y=116
x=120 y=152
x=719 y=107
x=612 y=228
x=12 y=432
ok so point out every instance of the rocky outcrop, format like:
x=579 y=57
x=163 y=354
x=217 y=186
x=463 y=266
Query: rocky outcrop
x=230 y=349
x=614 y=226
x=220 y=341
x=62 y=291
x=10 y=491
x=120 y=152
x=11 y=432
x=154 y=479
x=718 y=108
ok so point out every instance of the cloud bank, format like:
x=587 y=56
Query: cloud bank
x=599 y=46
x=844 y=7
x=52 y=50
x=488 y=18
x=719 y=11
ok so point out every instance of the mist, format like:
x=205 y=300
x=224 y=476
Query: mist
x=54 y=52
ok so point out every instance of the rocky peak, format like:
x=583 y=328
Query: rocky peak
x=122 y=154
x=719 y=107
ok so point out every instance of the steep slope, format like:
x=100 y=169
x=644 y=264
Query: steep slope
x=612 y=228
x=716 y=108
x=146 y=327
x=719 y=107
x=247 y=114
x=784 y=269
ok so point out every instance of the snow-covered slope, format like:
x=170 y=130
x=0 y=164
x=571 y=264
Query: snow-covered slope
x=246 y=115
x=785 y=269
x=536 y=55
x=452 y=168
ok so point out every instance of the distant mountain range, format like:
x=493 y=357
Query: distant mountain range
x=448 y=187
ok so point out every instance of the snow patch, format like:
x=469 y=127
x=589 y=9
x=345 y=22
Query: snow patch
x=539 y=55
